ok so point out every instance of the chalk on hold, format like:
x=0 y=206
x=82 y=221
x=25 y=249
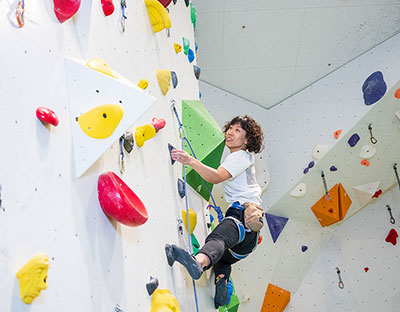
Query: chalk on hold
x=337 y=133
x=65 y=9
x=392 y=237
x=119 y=202
x=101 y=121
x=144 y=133
x=186 y=44
x=174 y=79
x=190 y=55
x=164 y=79
x=275 y=225
x=374 y=88
x=107 y=6
x=367 y=151
x=177 y=47
x=152 y=285
x=163 y=300
x=101 y=66
x=47 y=115
x=129 y=142
x=299 y=191
x=319 y=151
x=143 y=84
x=170 y=148
x=333 y=210
x=197 y=71
x=181 y=188
x=159 y=17
x=32 y=277
x=276 y=299
x=353 y=140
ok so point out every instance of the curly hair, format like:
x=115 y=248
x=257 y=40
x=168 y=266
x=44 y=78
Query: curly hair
x=254 y=133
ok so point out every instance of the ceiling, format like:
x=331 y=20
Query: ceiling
x=266 y=50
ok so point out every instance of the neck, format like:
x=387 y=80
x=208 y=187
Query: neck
x=237 y=148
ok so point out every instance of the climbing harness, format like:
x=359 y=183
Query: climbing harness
x=327 y=196
x=20 y=13
x=372 y=138
x=397 y=174
x=392 y=220
x=123 y=17
x=341 y=285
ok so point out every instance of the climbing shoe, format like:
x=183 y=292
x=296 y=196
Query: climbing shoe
x=175 y=253
x=221 y=292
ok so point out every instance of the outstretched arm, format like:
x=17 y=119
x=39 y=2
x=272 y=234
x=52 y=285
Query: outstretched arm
x=209 y=174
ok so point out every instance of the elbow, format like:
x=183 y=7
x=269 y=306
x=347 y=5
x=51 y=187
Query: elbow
x=215 y=180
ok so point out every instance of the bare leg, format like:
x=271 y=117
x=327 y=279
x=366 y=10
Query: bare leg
x=203 y=259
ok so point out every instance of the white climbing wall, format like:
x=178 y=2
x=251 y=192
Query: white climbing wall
x=95 y=263
x=293 y=128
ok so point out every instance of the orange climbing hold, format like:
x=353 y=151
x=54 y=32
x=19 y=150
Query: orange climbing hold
x=397 y=93
x=276 y=299
x=337 y=133
x=330 y=211
x=365 y=162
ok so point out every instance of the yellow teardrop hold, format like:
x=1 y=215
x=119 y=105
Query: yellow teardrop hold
x=32 y=277
x=101 y=66
x=144 y=133
x=164 y=79
x=101 y=121
x=143 y=84
x=192 y=220
x=177 y=47
x=163 y=301
x=159 y=17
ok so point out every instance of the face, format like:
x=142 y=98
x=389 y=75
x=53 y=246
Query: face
x=235 y=138
x=33 y=277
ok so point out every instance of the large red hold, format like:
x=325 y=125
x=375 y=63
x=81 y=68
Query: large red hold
x=65 y=9
x=47 y=115
x=392 y=237
x=108 y=7
x=119 y=202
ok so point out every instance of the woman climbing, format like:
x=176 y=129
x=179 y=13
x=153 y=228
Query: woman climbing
x=231 y=240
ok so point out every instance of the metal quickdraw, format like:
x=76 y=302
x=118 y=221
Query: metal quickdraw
x=392 y=220
x=397 y=174
x=117 y=308
x=123 y=17
x=20 y=13
x=341 y=284
x=372 y=138
x=121 y=155
x=327 y=196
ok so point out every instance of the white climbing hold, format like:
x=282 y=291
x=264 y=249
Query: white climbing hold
x=367 y=151
x=299 y=191
x=319 y=151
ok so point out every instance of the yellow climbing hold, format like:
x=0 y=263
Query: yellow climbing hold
x=192 y=220
x=178 y=48
x=101 y=66
x=143 y=84
x=163 y=301
x=101 y=121
x=164 y=79
x=33 y=277
x=159 y=17
x=144 y=133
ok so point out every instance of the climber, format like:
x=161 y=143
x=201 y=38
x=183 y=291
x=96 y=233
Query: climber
x=230 y=241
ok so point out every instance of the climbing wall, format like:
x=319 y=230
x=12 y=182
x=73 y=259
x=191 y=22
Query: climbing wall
x=46 y=205
x=293 y=128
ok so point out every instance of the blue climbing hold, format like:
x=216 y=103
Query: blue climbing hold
x=229 y=286
x=305 y=171
x=374 y=88
x=211 y=218
x=190 y=55
x=311 y=164
x=199 y=95
x=354 y=140
x=304 y=248
x=276 y=225
x=174 y=79
x=196 y=46
x=333 y=168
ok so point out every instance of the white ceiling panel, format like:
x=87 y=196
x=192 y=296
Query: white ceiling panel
x=347 y=3
x=390 y=22
x=254 y=39
x=210 y=5
x=213 y=77
x=259 y=84
x=256 y=5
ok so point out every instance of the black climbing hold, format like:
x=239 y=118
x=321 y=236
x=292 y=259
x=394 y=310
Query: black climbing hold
x=129 y=141
x=196 y=70
x=304 y=248
x=152 y=285
x=187 y=2
x=171 y=147
x=181 y=188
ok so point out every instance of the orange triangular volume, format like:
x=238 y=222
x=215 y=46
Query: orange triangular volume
x=276 y=299
x=337 y=133
x=344 y=201
x=327 y=211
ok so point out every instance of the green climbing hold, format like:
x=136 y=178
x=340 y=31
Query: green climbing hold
x=193 y=15
x=233 y=304
x=207 y=140
x=186 y=45
x=195 y=244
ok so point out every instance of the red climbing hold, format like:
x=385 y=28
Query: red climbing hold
x=366 y=269
x=259 y=239
x=337 y=133
x=119 y=202
x=65 y=9
x=365 y=163
x=392 y=237
x=377 y=193
x=47 y=115
x=158 y=124
x=108 y=7
x=165 y=3
x=397 y=93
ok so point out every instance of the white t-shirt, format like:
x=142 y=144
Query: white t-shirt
x=242 y=187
